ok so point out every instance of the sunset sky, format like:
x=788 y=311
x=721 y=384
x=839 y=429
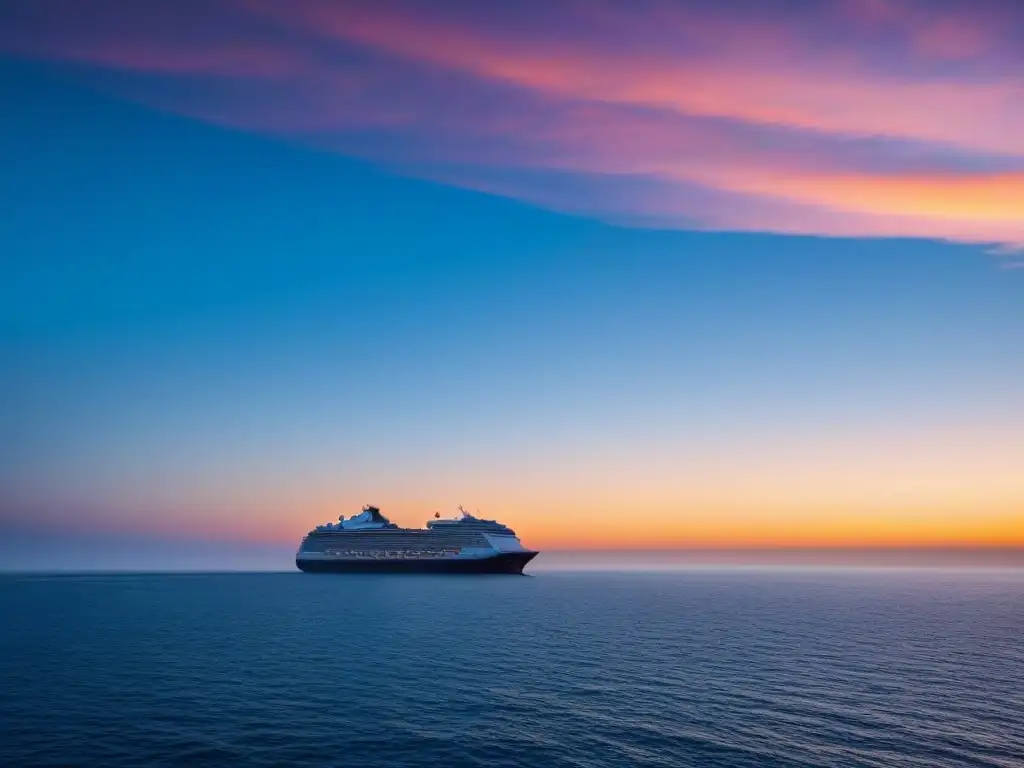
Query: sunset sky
x=619 y=273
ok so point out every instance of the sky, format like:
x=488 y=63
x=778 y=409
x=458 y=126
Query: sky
x=641 y=274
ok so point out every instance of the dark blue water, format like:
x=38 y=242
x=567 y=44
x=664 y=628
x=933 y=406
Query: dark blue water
x=702 y=668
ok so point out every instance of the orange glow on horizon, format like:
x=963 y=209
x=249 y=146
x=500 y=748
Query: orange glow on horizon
x=583 y=528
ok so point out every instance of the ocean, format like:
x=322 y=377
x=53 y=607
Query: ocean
x=698 y=667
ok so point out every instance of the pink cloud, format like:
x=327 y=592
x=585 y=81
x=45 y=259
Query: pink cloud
x=854 y=117
x=953 y=37
x=786 y=82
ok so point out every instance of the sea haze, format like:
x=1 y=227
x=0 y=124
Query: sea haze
x=697 y=667
x=34 y=549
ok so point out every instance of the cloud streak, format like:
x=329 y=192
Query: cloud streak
x=840 y=117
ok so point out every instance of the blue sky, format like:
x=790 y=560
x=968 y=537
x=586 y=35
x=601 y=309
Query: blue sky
x=207 y=331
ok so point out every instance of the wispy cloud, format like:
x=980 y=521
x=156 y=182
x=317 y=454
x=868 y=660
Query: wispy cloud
x=837 y=117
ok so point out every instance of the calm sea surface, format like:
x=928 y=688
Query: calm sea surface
x=702 y=668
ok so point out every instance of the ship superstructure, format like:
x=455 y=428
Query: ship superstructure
x=369 y=542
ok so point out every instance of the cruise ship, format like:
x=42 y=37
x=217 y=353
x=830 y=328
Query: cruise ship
x=370 y=543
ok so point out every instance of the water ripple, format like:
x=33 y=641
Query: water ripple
x=686 y=669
